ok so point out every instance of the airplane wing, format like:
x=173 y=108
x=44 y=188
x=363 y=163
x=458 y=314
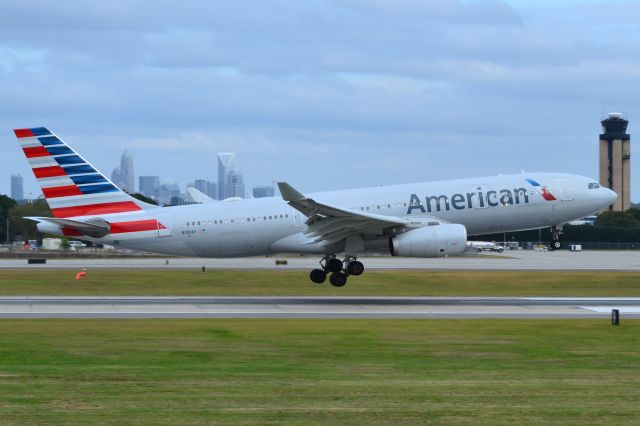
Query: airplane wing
x=329 y=224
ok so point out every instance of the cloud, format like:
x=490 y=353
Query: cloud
x=353 y=91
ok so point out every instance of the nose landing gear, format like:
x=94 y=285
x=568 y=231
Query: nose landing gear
x=339 y=270
x=555 y=243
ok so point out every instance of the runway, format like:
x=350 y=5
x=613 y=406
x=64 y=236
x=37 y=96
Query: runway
x=315 y=307
x=517 y=260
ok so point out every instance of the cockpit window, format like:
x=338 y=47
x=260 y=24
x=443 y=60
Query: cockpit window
x=594 y=185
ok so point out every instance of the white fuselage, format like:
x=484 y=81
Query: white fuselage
x=254 y=227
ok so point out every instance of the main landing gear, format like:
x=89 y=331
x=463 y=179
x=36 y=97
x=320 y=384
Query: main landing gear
x=339 y=270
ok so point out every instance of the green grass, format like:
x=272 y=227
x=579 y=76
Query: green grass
x=319 y=372
x=281 y=283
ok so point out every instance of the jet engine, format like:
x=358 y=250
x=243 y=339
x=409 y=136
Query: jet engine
x=430 y=241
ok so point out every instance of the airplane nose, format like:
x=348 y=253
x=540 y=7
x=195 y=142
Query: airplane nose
x=609 y=196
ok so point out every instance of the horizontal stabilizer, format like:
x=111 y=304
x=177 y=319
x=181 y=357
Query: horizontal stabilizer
x=96 y=228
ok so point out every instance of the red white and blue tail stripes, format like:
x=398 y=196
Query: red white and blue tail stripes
x=71 y=185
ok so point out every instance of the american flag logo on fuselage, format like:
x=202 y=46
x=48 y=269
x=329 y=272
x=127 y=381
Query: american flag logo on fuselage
x=544 y=191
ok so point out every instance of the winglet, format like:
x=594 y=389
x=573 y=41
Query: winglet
x=199 y=196
x=289 y=193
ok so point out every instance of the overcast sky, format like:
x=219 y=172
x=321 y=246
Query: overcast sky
x=322 y=93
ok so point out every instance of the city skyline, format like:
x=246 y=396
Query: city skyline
x=163 y=190
x=167 y=191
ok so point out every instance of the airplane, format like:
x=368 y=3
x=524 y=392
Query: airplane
x=429 y=219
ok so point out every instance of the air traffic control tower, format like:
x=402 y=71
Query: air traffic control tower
x=615 y=159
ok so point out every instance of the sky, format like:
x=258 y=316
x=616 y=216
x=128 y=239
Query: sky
x=325 y=94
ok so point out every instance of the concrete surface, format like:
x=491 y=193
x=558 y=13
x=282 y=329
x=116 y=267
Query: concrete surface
x=315 y=307
x=511 y=260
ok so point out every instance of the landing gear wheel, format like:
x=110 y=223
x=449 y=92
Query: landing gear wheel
x=338 y=279
x=334 y=265
x=355 y=268
x=556 y=245
x=318 y=276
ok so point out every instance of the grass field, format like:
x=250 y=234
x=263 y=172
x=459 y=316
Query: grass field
x=319 y=372
x=293 y=282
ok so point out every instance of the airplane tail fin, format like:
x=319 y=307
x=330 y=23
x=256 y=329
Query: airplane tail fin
x=70 y=184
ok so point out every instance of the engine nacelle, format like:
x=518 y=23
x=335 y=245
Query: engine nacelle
x=430 y=241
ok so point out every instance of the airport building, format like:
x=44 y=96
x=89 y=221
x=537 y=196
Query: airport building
x=615 y=159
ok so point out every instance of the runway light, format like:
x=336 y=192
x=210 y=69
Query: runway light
x=615 y=317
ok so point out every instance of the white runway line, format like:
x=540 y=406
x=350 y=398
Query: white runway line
x=608 y=309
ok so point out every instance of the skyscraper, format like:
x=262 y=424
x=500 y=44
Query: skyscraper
x=615 y=159
x=226 y=163
x=263 y=191
x=127 y=177
x=149 y=185
x=234 y=185
x=115 y=177
x=123 y=176
x=17 y=189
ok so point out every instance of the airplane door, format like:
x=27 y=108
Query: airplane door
x=564 y=190
x=164 y=225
